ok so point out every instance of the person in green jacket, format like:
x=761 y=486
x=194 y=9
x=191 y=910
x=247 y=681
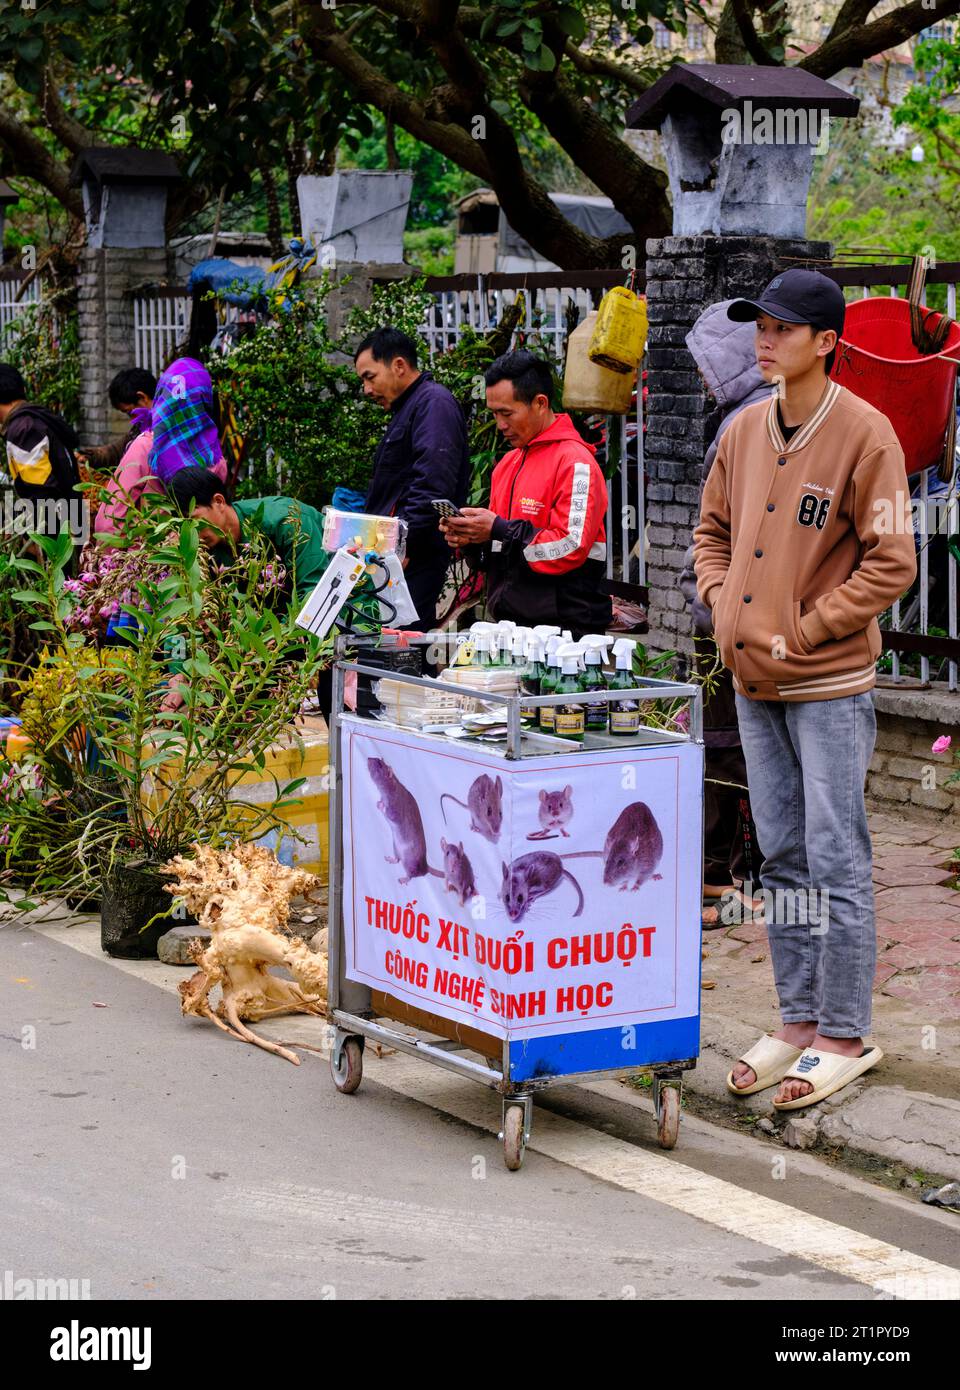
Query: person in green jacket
x=293 y=529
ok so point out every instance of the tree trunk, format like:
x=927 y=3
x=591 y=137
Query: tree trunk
x=274 y=222
x=295 y=159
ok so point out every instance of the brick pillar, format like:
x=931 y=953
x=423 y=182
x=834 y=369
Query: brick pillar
x=684 y=276
x=105 y=315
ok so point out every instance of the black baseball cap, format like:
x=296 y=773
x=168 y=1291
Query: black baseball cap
x=796 y=296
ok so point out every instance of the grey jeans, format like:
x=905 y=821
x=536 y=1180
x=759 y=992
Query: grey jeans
x=806 y=767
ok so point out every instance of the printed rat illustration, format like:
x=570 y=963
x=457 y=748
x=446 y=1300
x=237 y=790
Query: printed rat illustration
x=556 y=813
x=632 y=850
x=485 y=804
x=409 y=842
x=458 y=871
x=531 y=877
x=403 y=814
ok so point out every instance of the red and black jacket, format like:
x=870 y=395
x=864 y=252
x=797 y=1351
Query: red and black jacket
x=546 y=558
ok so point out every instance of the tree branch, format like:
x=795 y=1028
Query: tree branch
x=637 y=190
x=494 y=159
x=751 y=39
x=851 y=48
x=71 y=133
x=33 y=160
x=851 y=13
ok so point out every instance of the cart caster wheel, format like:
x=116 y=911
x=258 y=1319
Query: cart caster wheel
x=514 y=1140
x=668 y=1117
x=348 y=1071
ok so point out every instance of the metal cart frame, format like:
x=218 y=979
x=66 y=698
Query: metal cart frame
x=349 y=1003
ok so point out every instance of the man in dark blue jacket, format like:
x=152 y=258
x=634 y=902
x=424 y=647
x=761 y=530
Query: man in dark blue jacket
x=423 y=455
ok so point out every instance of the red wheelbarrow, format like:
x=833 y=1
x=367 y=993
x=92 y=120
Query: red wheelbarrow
x=878 y=362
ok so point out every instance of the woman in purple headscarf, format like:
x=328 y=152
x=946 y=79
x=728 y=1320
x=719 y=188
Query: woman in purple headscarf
x=182 y=433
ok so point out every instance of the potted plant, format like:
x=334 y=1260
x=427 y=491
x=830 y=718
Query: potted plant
x=159 y=780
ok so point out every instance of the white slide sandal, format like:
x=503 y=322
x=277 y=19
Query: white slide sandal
x=770 y=1060
x=827 y=1072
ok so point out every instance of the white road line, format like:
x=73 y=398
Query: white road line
x=875 y=1263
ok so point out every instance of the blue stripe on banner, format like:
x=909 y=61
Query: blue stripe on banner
x=605 y=1049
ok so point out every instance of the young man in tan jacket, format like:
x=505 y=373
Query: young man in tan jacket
x=795 y=556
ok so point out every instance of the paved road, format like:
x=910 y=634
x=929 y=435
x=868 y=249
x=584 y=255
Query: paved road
x=158 y=1159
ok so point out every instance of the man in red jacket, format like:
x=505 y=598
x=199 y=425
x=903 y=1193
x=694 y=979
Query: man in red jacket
x=542 y=540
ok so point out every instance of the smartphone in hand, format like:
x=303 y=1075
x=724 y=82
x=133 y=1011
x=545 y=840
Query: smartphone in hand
x=444 y=508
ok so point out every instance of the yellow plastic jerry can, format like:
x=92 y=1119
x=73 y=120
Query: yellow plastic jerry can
x=621 y=330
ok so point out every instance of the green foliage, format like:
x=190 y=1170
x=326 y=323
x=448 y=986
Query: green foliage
x=877 y=204
x=295 y=393
x=44 y=343
x=431 y=249
x=162 y=778
x=308 y=426
x=437 y=181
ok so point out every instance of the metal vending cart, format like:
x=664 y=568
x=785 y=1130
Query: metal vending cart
x=523 y=913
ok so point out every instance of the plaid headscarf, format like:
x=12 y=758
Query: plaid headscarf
x=184 y=434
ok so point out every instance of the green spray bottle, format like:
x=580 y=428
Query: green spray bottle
x=530 y=680
x=549 y=682
x=624 y=714
x=596 y=716
x=570 y=719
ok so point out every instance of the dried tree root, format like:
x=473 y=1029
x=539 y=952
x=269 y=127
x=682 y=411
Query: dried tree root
x=243 y=896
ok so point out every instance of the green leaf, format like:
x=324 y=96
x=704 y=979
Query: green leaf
x=543 y=60
x=28 y=596
x=572 y=23
x=189 y=545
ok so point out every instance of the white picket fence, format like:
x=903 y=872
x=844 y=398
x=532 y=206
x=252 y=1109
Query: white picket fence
x=161 y=320
x=552 y=301
x=12 y=306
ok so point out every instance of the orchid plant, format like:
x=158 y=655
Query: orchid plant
x=147 y=781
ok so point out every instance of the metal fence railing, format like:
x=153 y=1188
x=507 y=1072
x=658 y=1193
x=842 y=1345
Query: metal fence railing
x=161 y=320
x=554 y=302
x=13 y=299
x=923 y=627
x=925 y=622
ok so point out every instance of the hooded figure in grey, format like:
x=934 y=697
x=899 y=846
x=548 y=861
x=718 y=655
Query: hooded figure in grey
x=725 y=355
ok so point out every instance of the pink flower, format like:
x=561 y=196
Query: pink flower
x=942 y=744
x=89 y=578
x=683 y=719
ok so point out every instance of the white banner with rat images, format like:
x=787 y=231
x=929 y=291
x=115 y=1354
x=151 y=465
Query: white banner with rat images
x=524 y=898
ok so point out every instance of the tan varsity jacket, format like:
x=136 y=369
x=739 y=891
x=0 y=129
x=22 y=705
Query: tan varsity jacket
x=801 y=545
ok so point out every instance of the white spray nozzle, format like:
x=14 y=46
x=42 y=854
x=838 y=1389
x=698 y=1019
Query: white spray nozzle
x=623 y=653
x=595 y=649
x=569 y=657
x=544 y=631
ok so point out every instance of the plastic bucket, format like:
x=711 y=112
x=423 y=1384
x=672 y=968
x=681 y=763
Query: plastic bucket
x=878 y=362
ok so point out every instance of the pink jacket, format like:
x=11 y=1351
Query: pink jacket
x=131 y=480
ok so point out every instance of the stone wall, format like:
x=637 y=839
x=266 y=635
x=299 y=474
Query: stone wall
x=684 y=276
x=904 y=774
x=105 y=313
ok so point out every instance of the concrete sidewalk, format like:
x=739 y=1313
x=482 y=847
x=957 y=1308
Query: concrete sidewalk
x=908 y=1107
x=905 y=1112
